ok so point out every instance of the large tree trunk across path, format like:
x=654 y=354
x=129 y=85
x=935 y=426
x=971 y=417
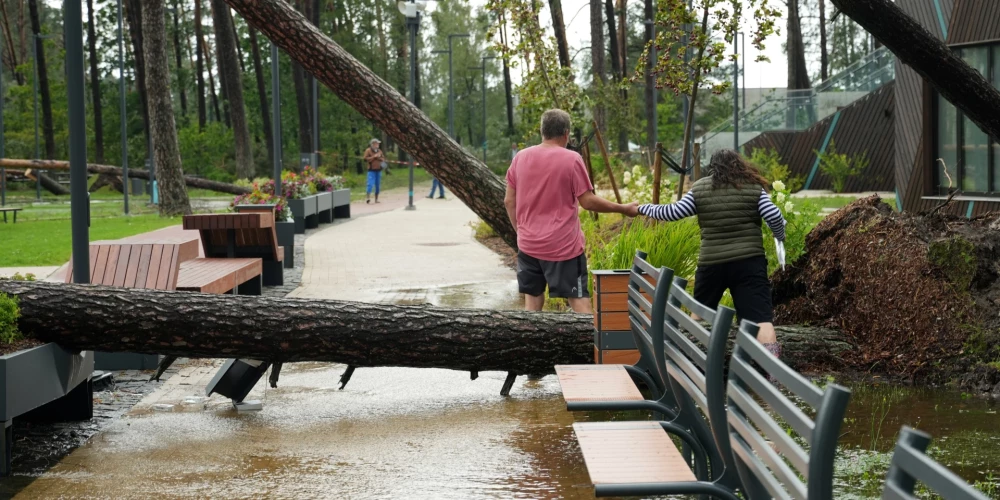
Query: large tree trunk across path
x=138 y=173
x=380 y=103
x=110 y=319
x=958 y=82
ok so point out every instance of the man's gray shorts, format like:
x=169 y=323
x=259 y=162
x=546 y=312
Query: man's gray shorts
x=566 y=279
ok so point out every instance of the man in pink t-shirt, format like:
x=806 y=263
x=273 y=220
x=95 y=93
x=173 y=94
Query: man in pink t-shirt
x=546 y=186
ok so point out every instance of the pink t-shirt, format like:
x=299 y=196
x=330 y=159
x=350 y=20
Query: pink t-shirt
x=547 y=180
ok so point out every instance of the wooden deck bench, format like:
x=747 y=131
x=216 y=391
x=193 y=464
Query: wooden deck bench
x=137 y=265
x=616 y=386
x=236 y=276
x=911 y=464
x=243 y=235
x=12 y=210
x=768 y=460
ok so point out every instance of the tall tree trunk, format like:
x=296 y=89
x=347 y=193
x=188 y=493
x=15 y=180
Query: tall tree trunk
x=597 y=59
x=314 y=13
x=11 y=50
x=622 y=8
x=302 y=106
x=211 y=83
x=265 y=112
x=43 y=83
x=465 y=175
x=798 y=74
x=239 y=46
x=135 y=30
x=615 y=52
x=225 y=45
x=200 y=66
x=952 y=77
x=824 y=51
x=508 y=87
x=167 y=157
x=181 y=81
x=95 y=85
x=689 y=119
x=559 y=26
x=650 y=82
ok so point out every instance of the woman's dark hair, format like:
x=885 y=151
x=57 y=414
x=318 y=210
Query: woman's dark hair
x=727 y=167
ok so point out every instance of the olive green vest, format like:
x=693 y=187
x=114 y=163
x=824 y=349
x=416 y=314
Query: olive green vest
x=730 y=222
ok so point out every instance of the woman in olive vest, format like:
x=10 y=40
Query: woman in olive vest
x=730 y=204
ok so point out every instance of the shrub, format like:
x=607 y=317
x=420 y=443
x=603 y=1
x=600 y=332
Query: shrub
x=637 y=186
x=768 y=161
x=23 y=277
x=321 y=182
x=840 y=167
x=801 y=216
x=256 y=197
x=671 y=244
x=9 y=312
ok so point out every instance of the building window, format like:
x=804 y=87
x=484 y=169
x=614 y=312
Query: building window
x=971 y=157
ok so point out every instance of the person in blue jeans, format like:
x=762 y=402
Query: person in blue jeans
x=434 y=187
x=375 y=159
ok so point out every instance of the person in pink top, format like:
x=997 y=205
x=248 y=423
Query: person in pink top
x=546 y=186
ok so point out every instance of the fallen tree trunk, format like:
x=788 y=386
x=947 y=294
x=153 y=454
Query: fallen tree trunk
x=467 y=177
x=86 y=317
x=136 y=173
x=48 y=183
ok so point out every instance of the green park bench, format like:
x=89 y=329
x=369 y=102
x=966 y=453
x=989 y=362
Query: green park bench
x=12 y=210
x=910 y=464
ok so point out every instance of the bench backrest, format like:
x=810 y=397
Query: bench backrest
x=770 y=462
x=253 y=234
x=136 y=265
x=690 y=353
x=647 y=298
x=910 y=463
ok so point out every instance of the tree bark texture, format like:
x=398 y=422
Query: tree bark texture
x=194 y=182
x=49 y=184
x=508 y=87
x=559 y=26
x=265 y=110
x=11 y=59
x=95 y=85
x=302 y=106
x=133 y=13
x=181 y=81
x=355 y=84
x=798 y=74
x=952 y=77
x=166 y=155
x=225 y=45
x=597 y=58
x=43 y=82
x=650 y=83
x=287 y=330
x=88 y=317
x=200 y=66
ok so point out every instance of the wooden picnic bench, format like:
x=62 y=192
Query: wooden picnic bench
x=242 y=235
x=236 y=276
x=747 y=450
x=12 y=210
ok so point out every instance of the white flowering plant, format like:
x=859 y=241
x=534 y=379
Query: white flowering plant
x=637 y=186
x=800 y=218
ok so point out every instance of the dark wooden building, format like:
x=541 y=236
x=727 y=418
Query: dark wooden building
x=907 y=130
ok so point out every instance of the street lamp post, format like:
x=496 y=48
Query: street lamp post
x=276 y=118
x=483 y=69
x=121 y=106
x=451 y=90
x=653 y=56
x=412 y=10
x=3 y=154
x=736 y=95
x=79 y=198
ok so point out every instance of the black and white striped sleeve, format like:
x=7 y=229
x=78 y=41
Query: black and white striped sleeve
x=770 y=213
x=672 y=212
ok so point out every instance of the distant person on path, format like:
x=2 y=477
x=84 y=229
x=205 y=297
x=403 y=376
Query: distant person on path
x=730 y=204
x=435 y=184
x=375 y=159
x=546 y=186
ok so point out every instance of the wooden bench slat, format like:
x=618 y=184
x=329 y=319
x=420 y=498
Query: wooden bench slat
x=216 y=275
x=102 y=261
x=164 y=275
x=132 y=270
x=144 y=256
x=597 y=383
x=630 y=452
x=152 y=276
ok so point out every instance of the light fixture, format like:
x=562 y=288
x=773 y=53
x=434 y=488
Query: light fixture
x=411 y=8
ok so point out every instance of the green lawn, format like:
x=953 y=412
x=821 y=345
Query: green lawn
x=399 y=178
x=48 y=242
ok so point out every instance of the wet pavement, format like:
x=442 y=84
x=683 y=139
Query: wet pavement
x=392 y=433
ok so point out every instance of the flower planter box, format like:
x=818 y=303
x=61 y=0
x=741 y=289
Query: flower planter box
x=285 y=232
x=48 y=379
x=324 y=207
x=613 y=341
x=303 y=211
x=342 y=204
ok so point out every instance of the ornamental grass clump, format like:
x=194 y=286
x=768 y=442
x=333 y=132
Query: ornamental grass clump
x=9 y=313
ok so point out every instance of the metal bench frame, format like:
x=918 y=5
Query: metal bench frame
x=910 y=463
x=4 y=210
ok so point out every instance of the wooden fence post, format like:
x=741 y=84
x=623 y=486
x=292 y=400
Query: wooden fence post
x=607 y=161
x=657 y=172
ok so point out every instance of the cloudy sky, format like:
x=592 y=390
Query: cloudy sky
x=576 y=14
